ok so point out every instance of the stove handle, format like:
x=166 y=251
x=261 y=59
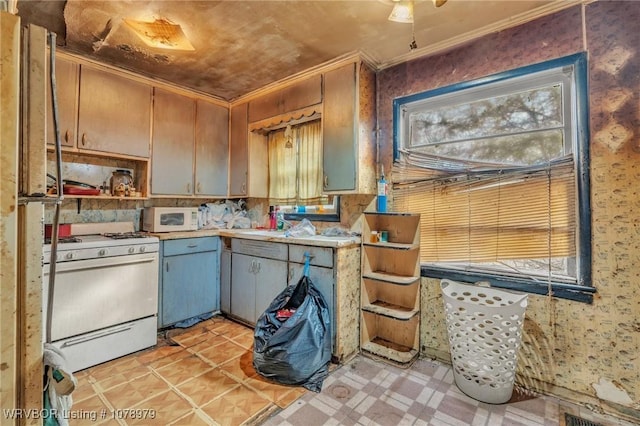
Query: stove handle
x=99 y=262
x=73 y=342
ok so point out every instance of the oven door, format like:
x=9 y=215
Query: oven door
x=97 y=293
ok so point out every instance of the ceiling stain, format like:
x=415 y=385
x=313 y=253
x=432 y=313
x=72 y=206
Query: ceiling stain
x=244 y=45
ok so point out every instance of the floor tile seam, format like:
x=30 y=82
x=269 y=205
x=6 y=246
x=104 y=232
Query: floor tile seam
x=199 y=406
x=262 y=393
x=208 y=361
x=201 y=372
x=212 y=362
x=170 y=388
x=111 y=408
x=252 y=418
x=233 y=376
x=189 y=353
x=197 y=411
x=97 y=386
x=256 y=418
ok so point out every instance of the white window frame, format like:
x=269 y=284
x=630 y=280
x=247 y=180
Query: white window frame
x=570 y=72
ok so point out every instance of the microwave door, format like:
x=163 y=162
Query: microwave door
x=172 y=219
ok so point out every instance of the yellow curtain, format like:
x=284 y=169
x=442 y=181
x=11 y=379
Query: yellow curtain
x=282 y=167
x=295 y=164
x=309 y=138
x=519 y=215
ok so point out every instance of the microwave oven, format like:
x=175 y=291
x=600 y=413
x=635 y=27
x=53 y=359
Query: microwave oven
x=168 y=219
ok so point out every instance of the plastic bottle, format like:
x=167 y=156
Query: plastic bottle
x=382 y=193
x=279 y=219
x=272 y=218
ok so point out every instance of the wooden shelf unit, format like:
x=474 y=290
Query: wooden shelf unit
x=390 y=293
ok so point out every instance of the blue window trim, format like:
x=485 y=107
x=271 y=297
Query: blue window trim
x=583 y=291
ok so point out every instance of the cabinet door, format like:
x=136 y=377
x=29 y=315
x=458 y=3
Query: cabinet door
x=239 y=152
x=290 y=98
x=339 y=129
x=323 y=280
x=243 y=287
x=67 y=97
x=173 y=138
x=189 y=286
x=271 y=279
x=212 y=149
x=225 y=281
x=114 y=114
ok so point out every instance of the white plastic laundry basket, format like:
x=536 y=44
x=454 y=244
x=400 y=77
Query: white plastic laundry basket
x=485 y=331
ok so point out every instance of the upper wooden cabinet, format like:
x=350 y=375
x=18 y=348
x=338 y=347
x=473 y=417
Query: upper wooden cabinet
x=67 y=102
x=114 y=114
x=239 y=151
x=348 y=121
x=173 y=143
x=289 y=98
x=190 y=146
x=211 y=149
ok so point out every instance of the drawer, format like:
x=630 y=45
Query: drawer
x=278 y=251
x=189 y=245
x=320 y=256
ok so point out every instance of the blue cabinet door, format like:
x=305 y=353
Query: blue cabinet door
x=190 y=286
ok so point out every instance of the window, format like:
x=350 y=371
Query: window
x=497 y=167
x=295 y=173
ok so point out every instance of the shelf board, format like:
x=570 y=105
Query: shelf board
x=101 y=197
x=390 y=351
x=390 y=278
x=393 y=246
x=390 y=310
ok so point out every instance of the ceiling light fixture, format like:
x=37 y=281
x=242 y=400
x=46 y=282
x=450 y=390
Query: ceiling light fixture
x=160 y=33
x=402 y=12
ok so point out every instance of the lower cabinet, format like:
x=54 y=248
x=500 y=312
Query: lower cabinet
x=321 y=273
x=189 y=279
x=256 y=282
x=258 y=275
x=260 y=270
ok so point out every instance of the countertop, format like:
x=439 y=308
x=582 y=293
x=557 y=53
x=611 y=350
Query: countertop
x=263 y=235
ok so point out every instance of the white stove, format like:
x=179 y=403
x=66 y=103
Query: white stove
x=105 y=293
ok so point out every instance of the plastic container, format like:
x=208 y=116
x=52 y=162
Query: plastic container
x=485 y=331
x=381 y=202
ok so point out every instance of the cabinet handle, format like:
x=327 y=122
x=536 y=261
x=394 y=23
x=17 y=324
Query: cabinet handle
x=244 y=188
x=192 y=246
x=66 y=136
x=84 y=139
x=166 y=266
x=258 y=267
x=198 y=188
x=326 y=181
x=188 y=187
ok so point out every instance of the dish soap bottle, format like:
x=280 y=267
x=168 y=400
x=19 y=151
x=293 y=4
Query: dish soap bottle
x=382 y=193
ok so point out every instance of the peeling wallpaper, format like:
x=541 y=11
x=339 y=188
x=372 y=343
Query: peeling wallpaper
x=585 y=353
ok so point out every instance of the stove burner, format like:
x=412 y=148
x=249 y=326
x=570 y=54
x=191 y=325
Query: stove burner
x=125 y=235
x=47 y=240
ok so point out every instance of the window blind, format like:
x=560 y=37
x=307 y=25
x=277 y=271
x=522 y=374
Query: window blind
x=491 y=215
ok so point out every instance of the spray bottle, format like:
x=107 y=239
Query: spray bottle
x=382 y=192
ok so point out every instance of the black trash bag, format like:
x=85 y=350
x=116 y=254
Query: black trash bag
x=292 y=338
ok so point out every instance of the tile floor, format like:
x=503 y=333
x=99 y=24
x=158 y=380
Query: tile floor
x=204 y=376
